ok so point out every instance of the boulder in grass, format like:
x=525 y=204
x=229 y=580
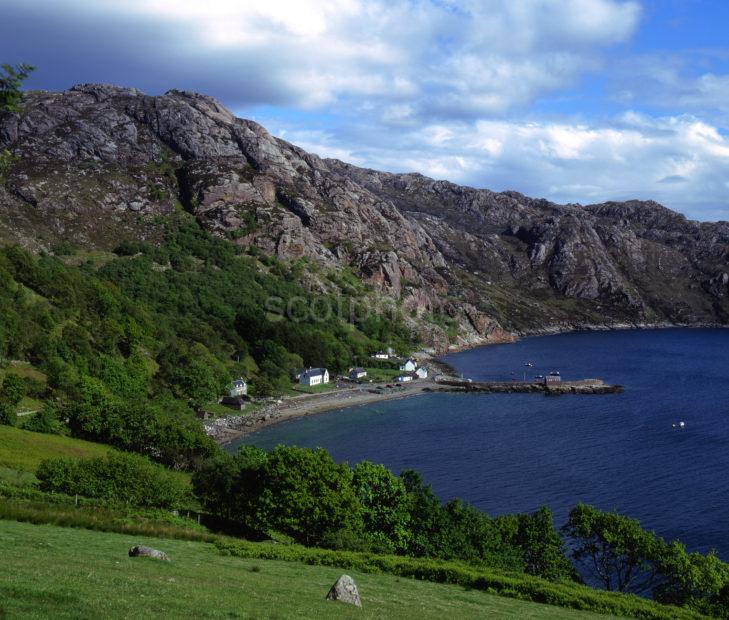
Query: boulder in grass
x=345 y=591
x=140 y=551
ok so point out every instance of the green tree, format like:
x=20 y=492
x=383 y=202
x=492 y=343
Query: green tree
x=229 y=486
x=8 y=417
x=384 y=501
x=13 y=390
x=542 y=548
x=11 y=80
x=614 y=548
x=45 y=421
x=693 y=580
x=306 y=495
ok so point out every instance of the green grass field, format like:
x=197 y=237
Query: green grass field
x=24 y=450
x=54 y=572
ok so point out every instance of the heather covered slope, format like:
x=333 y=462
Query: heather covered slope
x=98 y=163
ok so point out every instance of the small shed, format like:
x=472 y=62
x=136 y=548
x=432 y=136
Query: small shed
x=237 y=403
x=553 y=377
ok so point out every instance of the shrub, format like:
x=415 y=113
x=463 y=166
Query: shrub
x=8 y=415
x=45 y=421
x=117 y=477
x=513 y=585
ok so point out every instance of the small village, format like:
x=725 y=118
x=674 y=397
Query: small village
x=390 y=376
x=391 y=372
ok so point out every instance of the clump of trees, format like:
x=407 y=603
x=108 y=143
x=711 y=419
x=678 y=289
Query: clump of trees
x=118 y=477
x=622 y=556
x=306 y=495
x=12 y=391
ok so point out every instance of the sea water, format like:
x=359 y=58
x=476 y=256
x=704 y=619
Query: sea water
x=508 y=453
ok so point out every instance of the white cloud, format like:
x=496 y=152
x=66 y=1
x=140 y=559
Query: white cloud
x=682 y=162
x=692 y=81
x=444 y=58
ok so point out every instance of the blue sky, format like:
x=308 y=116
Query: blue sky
x=573 y=100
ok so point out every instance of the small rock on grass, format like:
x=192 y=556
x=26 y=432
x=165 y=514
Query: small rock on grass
x=140 y=551
x=345 y=591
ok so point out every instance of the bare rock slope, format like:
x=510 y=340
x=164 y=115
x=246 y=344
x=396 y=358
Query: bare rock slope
x=99 y=163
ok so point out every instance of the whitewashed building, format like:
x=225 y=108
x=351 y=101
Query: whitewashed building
x=314 y=376
x=422 y=372
x=409 y=365
x=357 y=373
x=237 y=388
x=403 y=378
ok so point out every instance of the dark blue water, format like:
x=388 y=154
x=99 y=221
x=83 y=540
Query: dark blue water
x=514 y=452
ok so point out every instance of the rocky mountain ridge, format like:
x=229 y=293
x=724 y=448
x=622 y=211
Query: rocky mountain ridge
x=98 y=163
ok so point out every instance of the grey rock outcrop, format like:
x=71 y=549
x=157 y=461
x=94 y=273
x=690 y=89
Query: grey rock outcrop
x=98 y=163
x=140 y=551
x=344 y=590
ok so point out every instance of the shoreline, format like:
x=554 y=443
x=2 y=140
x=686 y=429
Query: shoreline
x=226 y=429
x=556 y=329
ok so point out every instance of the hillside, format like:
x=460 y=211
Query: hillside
x=63 y=573
x=97 y=163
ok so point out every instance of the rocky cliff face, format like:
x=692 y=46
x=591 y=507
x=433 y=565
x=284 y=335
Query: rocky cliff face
x=97 y=163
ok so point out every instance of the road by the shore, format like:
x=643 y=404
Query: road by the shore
x=230 y=428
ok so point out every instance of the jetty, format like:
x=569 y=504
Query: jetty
x=583 y=386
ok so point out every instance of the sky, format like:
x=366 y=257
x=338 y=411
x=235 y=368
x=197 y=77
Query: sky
x=576 y=101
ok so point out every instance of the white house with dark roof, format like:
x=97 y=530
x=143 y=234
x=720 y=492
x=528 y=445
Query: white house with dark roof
x=409 y=365
x=314 y=376
x=357 y=373
x=238 y=387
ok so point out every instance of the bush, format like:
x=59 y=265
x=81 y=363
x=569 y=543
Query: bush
x=8 y=415
x=13 y=390
x=513 y=585
x=117 y=477
x=45 y=421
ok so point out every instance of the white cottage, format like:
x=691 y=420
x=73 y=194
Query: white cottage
x=314 y=376
x=422 y=372
x=409 y=365
x=237 y=388
x=403 y=378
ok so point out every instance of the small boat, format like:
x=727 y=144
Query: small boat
x=528 y=364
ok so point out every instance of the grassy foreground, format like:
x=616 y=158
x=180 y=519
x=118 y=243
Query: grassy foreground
x=57 y=572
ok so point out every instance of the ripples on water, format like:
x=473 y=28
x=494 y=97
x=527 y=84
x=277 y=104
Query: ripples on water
x=514 y=452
